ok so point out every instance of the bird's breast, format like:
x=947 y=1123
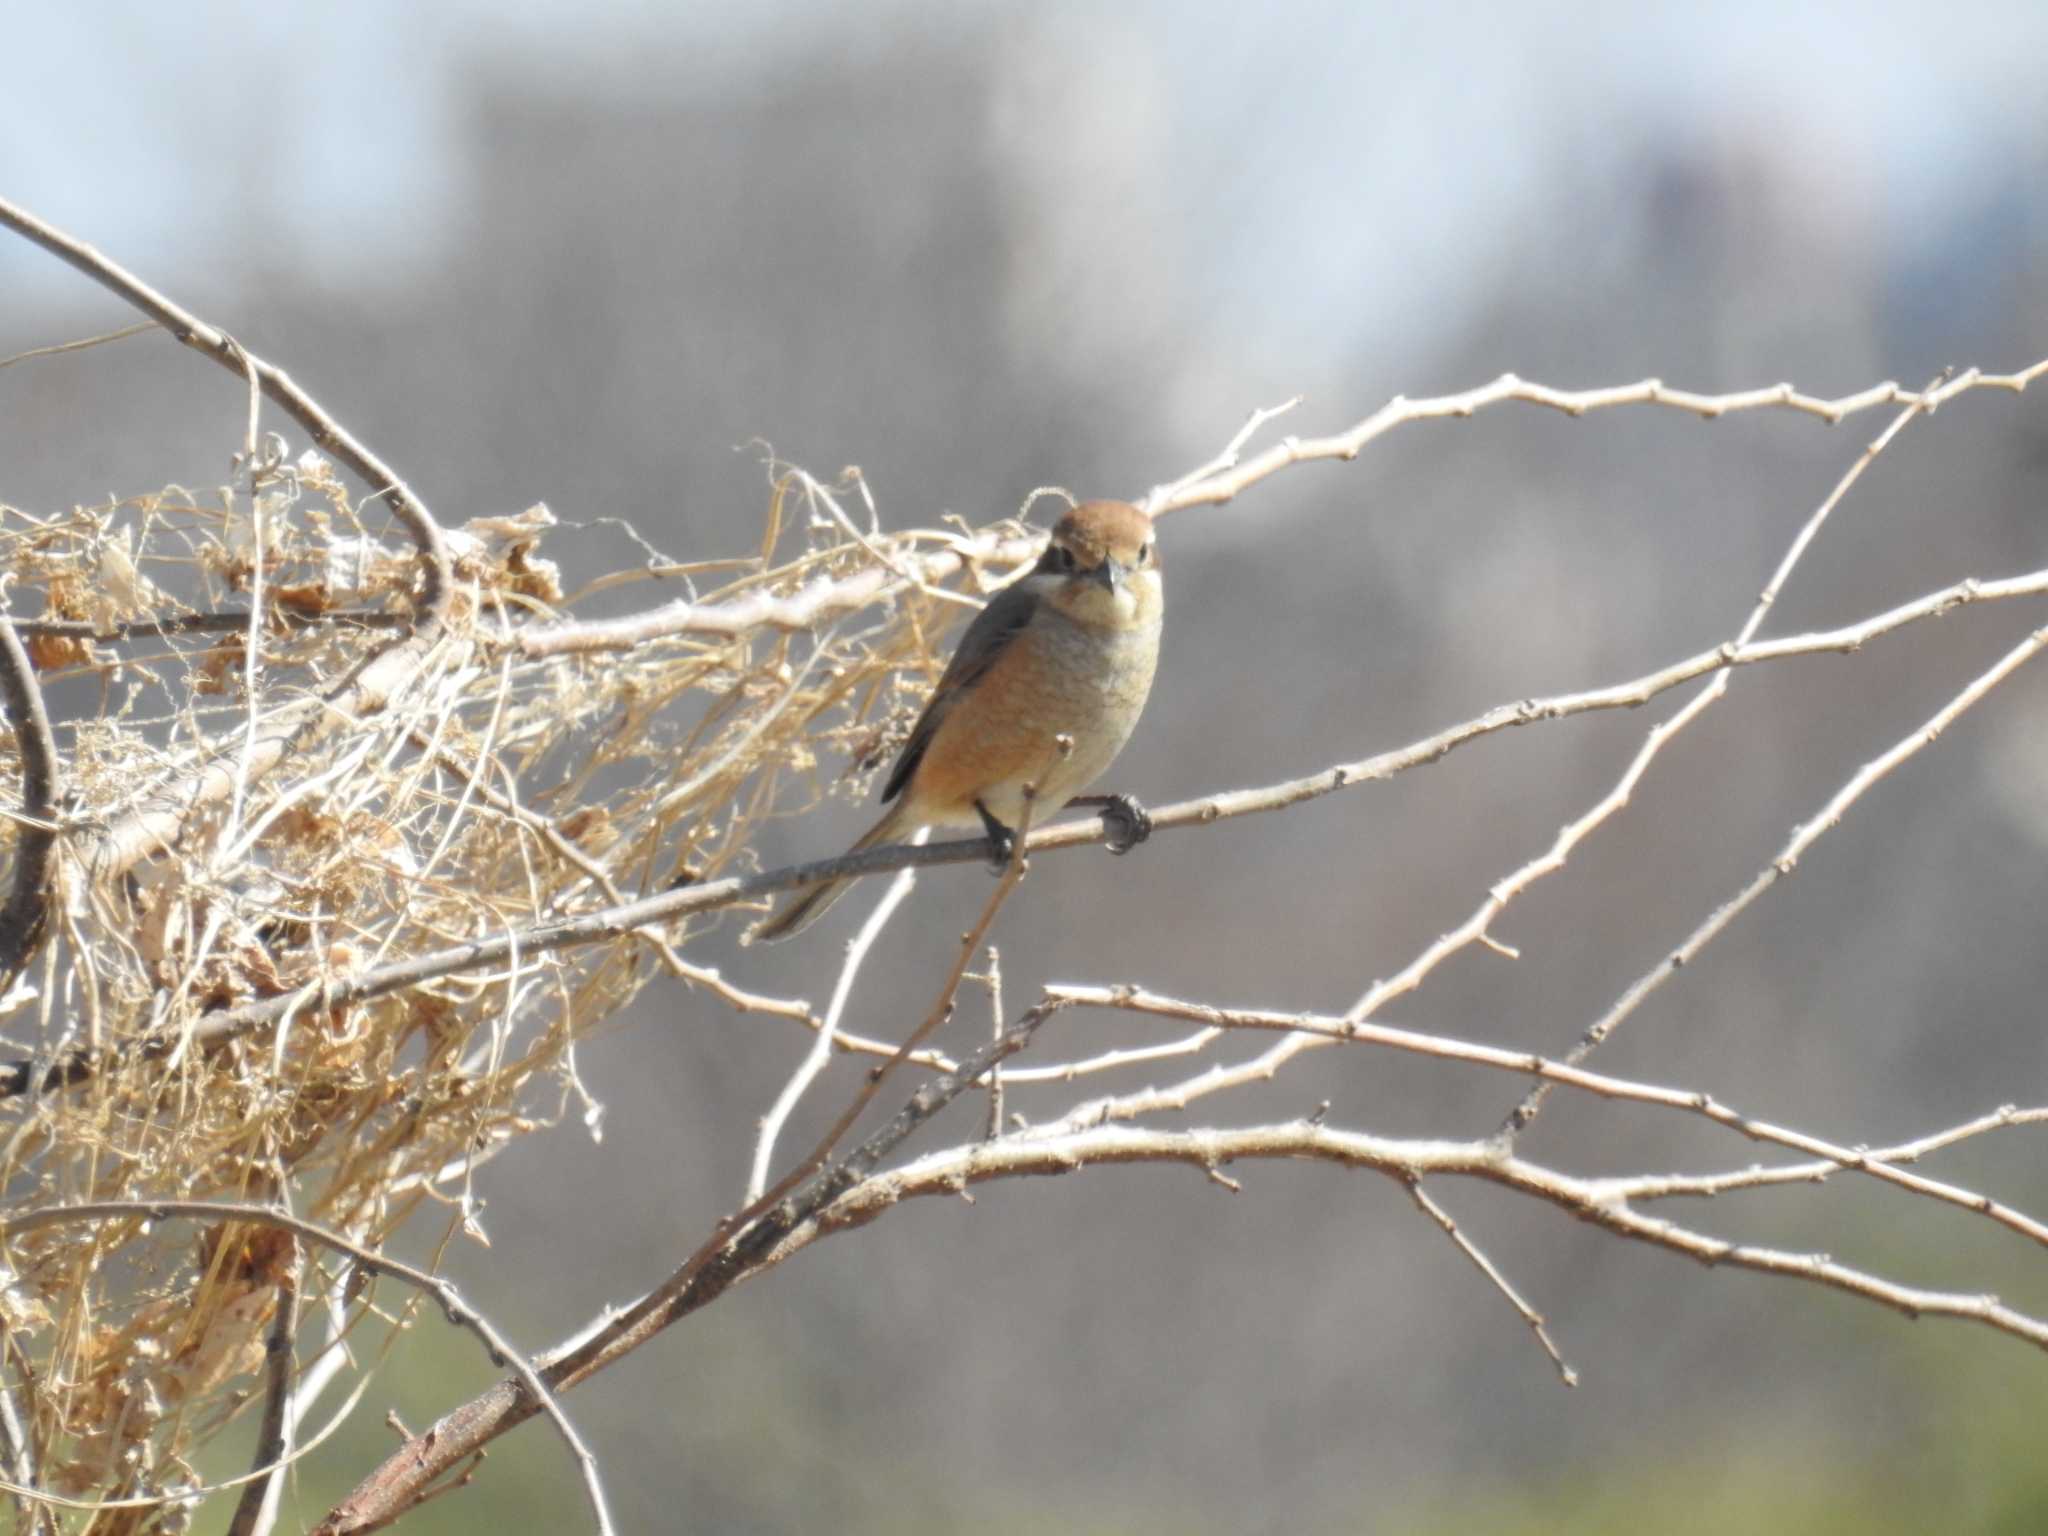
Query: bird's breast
x=1057 y=679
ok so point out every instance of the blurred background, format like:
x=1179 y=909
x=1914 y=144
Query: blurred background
x=596 y=254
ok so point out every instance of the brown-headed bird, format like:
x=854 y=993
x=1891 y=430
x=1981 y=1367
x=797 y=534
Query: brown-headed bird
x=1044 y=690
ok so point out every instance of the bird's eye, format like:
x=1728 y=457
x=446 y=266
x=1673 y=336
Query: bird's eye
x=1144 y=554
x=1063 y=557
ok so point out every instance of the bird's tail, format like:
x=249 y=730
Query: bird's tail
x=810 y=904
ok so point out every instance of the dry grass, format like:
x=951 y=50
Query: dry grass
x=499 y=790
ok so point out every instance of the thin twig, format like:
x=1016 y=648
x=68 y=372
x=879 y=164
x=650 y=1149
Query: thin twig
x=332 y=438
x=1401 y=411
x=1532 y=1104
x=1228 y=458
x=816 y=491
x=79 y=345
x=830 y=598
x=992 y=1126
x=1802 y=839
x=941 y=1010
x=1485 y=1266
x=820 y=1053
x=1331 y=1029
x=256 y=1510
x=252 y=640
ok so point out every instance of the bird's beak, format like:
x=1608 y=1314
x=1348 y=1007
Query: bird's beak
x=1109 y=573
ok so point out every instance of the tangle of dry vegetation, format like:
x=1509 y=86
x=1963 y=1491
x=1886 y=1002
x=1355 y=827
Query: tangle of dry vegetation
x=496 y=792
x=301 y=950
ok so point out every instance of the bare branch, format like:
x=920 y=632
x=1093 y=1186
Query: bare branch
x=1401 y=411
x=1327 y=1029
x=1602 y=1202
x=828 y=1033
x=1485 y=1266
x=256 y=1510
x=325 y=431
x=1803 y=838
x=22 y=919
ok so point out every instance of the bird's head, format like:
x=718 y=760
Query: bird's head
x=1101 y=567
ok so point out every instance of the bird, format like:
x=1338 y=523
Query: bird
x=1042 y=692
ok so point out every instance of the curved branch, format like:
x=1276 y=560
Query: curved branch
x=1221 y=480
x=1400 y=411
x=1602 y=1202
x=1879 y=1166
x=850 y=1194
x=370 y=684
x=21 y=920
x=436 y=588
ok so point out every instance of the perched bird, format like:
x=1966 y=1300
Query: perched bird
x=1044 y=690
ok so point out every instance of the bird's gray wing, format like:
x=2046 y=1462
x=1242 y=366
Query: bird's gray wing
x=986 y=638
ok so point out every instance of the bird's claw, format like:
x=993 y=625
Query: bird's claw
x=1127 y=822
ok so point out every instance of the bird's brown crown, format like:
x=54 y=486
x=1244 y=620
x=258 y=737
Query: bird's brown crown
x=1099 y=530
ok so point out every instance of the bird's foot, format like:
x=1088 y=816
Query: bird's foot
x=1129 y=823
x=1002 y=842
